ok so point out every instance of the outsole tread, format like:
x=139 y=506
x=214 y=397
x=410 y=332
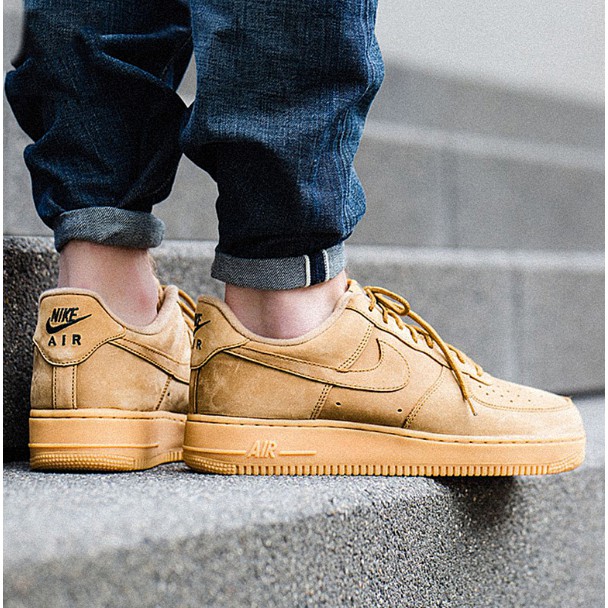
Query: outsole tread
x=99 y=462
x=104 y=441
x=208 y=465
x=231 y=445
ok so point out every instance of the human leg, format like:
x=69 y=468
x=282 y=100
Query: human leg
x=283 y=89
x=94 y=87
x=285 y=313
x=355 y=389
x=122 y=276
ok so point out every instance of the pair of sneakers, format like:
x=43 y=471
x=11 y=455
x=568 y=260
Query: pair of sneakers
x=364 y=393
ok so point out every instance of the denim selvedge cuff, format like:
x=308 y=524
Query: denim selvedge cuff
x=280 y=273
x=109 y=226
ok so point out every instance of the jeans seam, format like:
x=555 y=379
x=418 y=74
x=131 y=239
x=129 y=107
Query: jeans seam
x=344 y=165
x=175 y=54
x=169 y=179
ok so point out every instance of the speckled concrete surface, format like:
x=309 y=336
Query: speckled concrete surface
x=170 y=537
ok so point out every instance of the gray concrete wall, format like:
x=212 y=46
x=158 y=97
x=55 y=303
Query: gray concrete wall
x=549 y=46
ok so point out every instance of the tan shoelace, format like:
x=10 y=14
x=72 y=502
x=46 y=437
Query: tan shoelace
x=396 y=306
x=188 y=307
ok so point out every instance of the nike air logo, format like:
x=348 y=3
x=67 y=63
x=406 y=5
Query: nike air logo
x=390 y=373
x=197 y=326
x=66 y=317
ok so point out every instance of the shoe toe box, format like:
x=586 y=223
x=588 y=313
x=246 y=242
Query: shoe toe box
x=502 y=410
x=525 y=411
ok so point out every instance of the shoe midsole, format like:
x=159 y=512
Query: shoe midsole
x=106 y=435
x=242 y=441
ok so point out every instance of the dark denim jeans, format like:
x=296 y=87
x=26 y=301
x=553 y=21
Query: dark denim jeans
x=283 y=89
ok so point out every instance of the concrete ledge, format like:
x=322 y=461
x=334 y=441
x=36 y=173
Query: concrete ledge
x=436 y=188
x=170 y=537
x=420 y=97
x=531 y=317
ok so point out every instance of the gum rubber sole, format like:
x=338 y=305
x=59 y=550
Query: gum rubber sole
x=242 y=446
x=104 y=439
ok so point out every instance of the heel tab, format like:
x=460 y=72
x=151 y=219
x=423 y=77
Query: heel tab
x=72 y=324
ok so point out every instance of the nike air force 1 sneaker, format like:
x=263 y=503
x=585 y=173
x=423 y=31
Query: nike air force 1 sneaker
x=107 y=396
x=364 y=394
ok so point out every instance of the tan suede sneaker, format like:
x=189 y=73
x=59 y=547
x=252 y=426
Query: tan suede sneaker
x=107 y=396
x=364 y=394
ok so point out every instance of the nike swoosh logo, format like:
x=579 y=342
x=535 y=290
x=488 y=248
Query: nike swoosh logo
x=391 y=373
x=53 y=330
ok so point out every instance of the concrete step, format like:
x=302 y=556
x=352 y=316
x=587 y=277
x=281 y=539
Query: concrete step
x=424 y=188
x=414 y=96
x=531 y=317
x=444 y=189
x=171 y=537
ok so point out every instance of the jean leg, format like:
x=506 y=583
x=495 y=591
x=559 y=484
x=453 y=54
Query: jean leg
x=283 y=89
x=94 y=87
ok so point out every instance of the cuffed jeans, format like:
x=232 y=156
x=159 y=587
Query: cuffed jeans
x=283 y=89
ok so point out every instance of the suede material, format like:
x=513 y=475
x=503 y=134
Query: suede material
x=42 y=382
x=334 y=348
x=127 y=382
x=546 y=416
x=360 y=304
x=90 y=327
x=360 y=367
x=234 y=387
x=206 y=341
x=64 y=383
x=391 y=408
x=173 y=398
x=85 y=357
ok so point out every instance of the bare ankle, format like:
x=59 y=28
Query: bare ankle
x=285 y=313
x=123 y=277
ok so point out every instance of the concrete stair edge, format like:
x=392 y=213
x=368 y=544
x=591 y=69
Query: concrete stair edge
x=174 y=538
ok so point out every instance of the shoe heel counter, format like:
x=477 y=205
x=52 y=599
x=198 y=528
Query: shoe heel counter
x=41 y=390
x=70 y=330
x=193 y=392
x=53 y=386
x=212 y=334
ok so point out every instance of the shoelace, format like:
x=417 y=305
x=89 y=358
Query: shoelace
x=396 y=306
x=188 y=306
x=186 y=303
